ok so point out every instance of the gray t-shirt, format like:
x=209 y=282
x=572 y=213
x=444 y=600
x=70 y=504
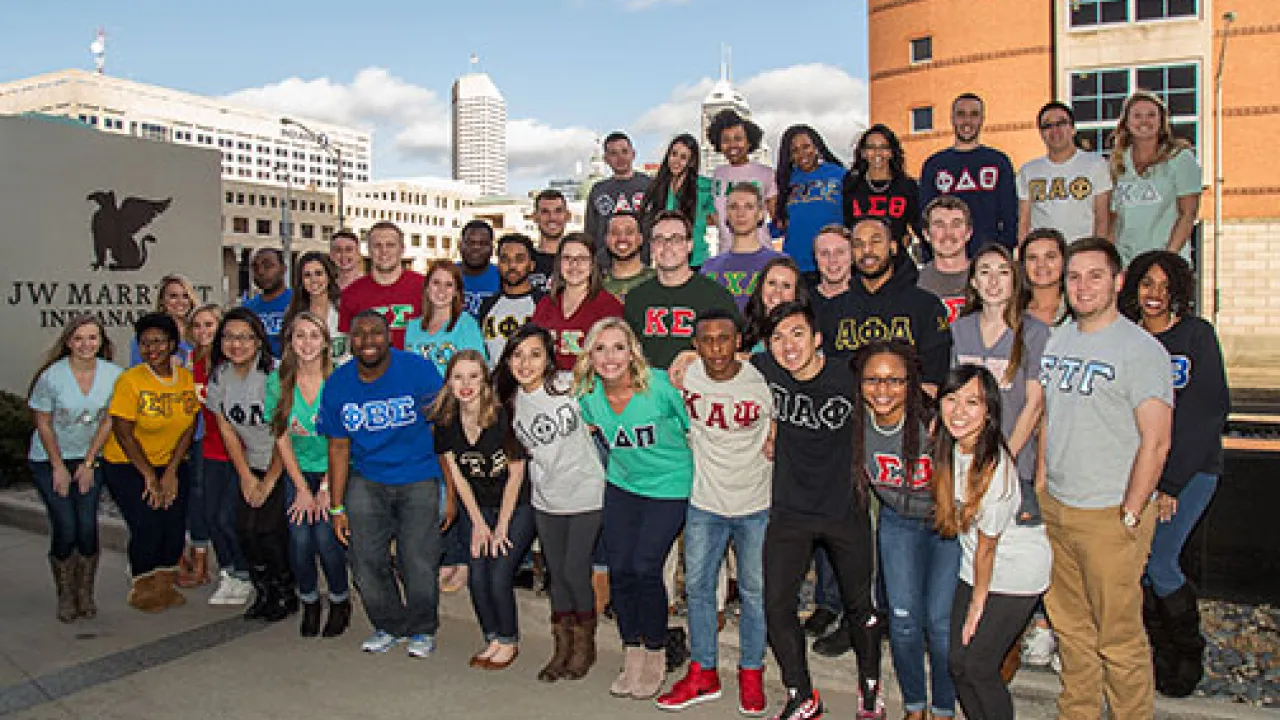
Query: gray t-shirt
x=1093 y=383
x=728 y=425
x=564 y=467
x=904 y=486
x=949 y=287
x=967 y=347
x=242 y=401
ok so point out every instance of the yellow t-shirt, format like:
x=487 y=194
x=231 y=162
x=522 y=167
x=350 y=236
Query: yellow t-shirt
x=161 y=412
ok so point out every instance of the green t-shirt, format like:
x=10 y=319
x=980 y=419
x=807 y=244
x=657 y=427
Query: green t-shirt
x=311 y=449
x=648 y=443
x=663 y=317
x=1146 y=206
x=706 y=206
x=619 y=287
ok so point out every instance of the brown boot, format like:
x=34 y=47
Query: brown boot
x=583 y=653
x=144 y=593
x=64 y=582
x=166 y=588
x=563 y=631
x=652 y=674
x=85 y=579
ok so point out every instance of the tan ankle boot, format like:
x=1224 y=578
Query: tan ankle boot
x=166 y=588
x=652 y=673
x=632 y=664
x=144 y=593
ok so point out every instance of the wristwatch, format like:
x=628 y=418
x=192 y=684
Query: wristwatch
x=1130 y=518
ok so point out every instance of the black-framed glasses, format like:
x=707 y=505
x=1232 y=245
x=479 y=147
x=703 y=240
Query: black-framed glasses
x=1046 y=126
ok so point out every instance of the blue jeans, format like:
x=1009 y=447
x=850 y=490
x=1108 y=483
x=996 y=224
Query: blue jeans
x=221 y=500
x=919 y=570
x=73 y=520
x=309 y=542
x=157 y=536
x=1164 y=572
x=197 y=520
x=638 y=534
x=706 y=535
x=491 y=580
x=379 y=514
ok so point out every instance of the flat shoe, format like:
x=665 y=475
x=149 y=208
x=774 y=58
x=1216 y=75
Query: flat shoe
x=504 y=664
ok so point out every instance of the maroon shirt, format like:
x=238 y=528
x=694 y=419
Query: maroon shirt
x=570 y=333
x=400 y=302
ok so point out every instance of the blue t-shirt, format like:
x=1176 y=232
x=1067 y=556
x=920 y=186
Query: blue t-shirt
x=814 y=200
x=475 y=288
x=75 y=415
x=440 y=347
x=271 y=313
x=386 y=420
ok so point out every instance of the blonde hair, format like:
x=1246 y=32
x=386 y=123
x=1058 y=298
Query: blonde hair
x=187 y=287
x=1122 y=138
x=445 y=408
x=584 y=375
x=196 y=352
x=289 y=364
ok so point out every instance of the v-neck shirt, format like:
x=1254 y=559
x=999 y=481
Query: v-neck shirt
x=311 y=450
x=75 y=414
x=648 y=441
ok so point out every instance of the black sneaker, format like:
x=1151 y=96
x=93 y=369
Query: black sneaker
x=801 y=707
x=837 y=643
x=821 y=622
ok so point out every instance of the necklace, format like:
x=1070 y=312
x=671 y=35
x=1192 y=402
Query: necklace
x=172 y=378
x=878 y=188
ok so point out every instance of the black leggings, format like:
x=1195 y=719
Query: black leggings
x=975 y=667
x=788 y=545
x=567 y=545
x=263 y=532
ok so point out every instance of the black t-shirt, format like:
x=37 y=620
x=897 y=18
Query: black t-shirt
x=483 y=464
x=544 y=265
x=1201 y=402
x=898 y=203
x=813 y=448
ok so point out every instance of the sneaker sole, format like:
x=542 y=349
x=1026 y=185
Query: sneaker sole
x=421 y=653
x=696 y=700
x=379 y=648
x=753 y=713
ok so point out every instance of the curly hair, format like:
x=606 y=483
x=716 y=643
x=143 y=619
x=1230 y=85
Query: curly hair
x=1182 y=283
x=726 y=119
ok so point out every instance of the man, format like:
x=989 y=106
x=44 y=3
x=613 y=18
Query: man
x=273 y=297
x=979 y=175
x=502 y=314
x=661 y=311
x=739 y=268
x=948 y=228
x=1108 y=415
x=626 y=244
x=833 y=255
x=730 y=409
x=1067 y=189
x=390 y=289
x=480 y=279
x=344 y=251
x=815 y=503
x=384 y=480
x=623 y=191
x=551 y=213
x=736 y=138
x=884 y=303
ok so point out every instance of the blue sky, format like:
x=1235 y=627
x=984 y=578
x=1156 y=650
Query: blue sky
x=569 y=69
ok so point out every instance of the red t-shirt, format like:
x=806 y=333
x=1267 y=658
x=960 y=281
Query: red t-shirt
x=400 y=302
x=570 y=333
x=211 y=444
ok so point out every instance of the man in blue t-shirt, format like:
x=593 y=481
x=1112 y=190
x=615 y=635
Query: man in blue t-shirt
x=480 y=279
x=375 y=413
x=273 y=296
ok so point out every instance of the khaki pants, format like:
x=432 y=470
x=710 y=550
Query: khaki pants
x=1095 y=604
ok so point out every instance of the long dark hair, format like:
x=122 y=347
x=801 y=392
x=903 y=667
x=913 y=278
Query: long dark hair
x=1182 y=283
x=263 y=362
x=504 y=381
x=783 y=172
x=897 y=159
x=948 y=519
x=655 y=197
x=1013 y=312
x=300 y=300
x=62 y=346
x=757 y=315
x=916 y=410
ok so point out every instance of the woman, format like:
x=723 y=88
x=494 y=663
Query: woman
x=577 y=299
x=878 y=186
x=650 y=474
x=891 y=444
x=292 y=401
x=810 y=178
x=68 y=399
x=175 y=297
x=567 y=483
x=237 y=395
x=679 y=185
x=1157 y=294
x=1043 y=257
x=315 y=289
x=1148 y=161
x=780 y=281
x=1004 y=565
x=474 y=438
x=153 y=411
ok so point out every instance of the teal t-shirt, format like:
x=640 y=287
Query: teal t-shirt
x=648 y=443
x=1146 y=206
x=440 y=347
x=311 y=449
x=706 y=206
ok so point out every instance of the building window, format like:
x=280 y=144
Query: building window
x=922 y=49
x=415 y=240
x=1087 y=13
x=1162 y=9
x=240 y=225
x=921 y=119
x=308 y=231
x=264 y=227
x=1097 y=98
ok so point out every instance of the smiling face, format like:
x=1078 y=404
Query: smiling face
x=467 y=379
x=514 y=264
x=529 y=363
x=779 y=286
x=966 y=119
x=369 y=341
x=308 y=340
x=552 y=214
x=794 y=345
x=884 y=387
x=85 y=342
x=203 y=327
x=948 y=232
x=1153 y=294
x=671 y=245
x=156 y=349
x=734 y=144
x=834 y=256
x=993 y=280
x=176 y=302
x=1043 y=262
x=1091 y=285
x=1057 y=130
x=964 y=412
x=717 y=343
x=314 y=279
x=804 y=153
x=441 y=290
x=239 y=343
x=575 y=265
x=678 y=158
x=385 y=250
x=1143 y=120
x=345 y=254
x=619 y=155
x=611 y=355
x=878 y=153
x=873 y=249
x=623 y=238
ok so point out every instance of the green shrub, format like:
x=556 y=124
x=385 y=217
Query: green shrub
x=16 y=427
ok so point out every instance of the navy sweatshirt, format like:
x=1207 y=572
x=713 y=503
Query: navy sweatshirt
x=1202 y=401
x=984 y=179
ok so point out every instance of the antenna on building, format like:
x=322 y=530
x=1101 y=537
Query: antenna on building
x=99 y=49
x=474 y=63
x=726 y=62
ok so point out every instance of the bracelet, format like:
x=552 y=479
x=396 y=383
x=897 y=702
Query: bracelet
x=92 y=464
x=338 y=510
x=324 y=487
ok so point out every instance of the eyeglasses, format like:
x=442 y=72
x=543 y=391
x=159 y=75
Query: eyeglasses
x=1066 y=122
x=894 y=382
x=239 y=338
x=669 y=239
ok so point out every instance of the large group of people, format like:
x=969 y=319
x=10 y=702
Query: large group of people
x=978 y=405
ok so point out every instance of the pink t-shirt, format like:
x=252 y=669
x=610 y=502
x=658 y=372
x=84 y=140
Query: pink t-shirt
x=724 y=178
x=400 y=302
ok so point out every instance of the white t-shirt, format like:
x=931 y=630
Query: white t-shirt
x=1023 y=557
x=728 y=425
x=565 y=473
x=1061 y=194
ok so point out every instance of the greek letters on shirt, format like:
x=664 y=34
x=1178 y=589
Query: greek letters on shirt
x=669 y=322
x=800 y=410
x=473 y=463
x=997 y=365
x=1181 y=365
x=889 y=471
x=377 y=415
x=853 y=334
x=607 y=205
x=739 y=283
x=254 y=414
x=827 y=191
x=987 y=179
x=545 y=429
x=502 y=327
x=1059 y=188
x=1074 y=375
x=1132 y=193
x=568 y=341
x=398 y=316
x=154 y=404
x=297 y=428
x=721 y=410
x=438 y=353
x=880 y=206
x=640 y=436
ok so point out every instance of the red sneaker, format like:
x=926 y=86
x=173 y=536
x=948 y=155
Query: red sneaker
x=698 y=685
x=751 y=700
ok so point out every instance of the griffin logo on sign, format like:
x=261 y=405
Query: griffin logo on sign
x=114 y=229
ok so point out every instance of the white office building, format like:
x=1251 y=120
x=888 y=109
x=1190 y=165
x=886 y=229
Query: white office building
x=480 y=134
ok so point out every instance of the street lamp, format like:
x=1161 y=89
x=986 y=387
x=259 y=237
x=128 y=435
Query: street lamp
x=323 y=141
x=1227 y=18
x=286 y=225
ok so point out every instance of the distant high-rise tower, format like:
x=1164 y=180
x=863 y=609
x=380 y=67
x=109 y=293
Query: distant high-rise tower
x=479 y=132
x=723 y=96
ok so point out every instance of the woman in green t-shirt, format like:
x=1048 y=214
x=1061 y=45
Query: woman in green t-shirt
x=679 y=185
x=649 y=472
x=292 y=400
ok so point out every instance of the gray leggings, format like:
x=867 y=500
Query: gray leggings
x=567 y=543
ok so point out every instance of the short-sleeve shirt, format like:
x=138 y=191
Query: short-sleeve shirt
x=722 y=181
x=570 y=333
x=1024 y=559
x=1061 y=194
x=648 y=445
x=400 y=302
x=663 y=317
x=501 y=315
x=311 y=450
x=440 y=347
x=161 y=411
x=477 y=288
x=485 y=463
x=738 y=272
x=1146 y=206
x=385 y=419
x=271 y=313
x=621 y=286
x=1093 y=383
x=74 y=414
x=242 y=401
x=814 y=200
x=564 y=468
x=212 y=446
x=948 y=286
x=728 y=424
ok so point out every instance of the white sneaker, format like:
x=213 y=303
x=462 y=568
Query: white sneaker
x=230 y=590
x=1038 y=647
x=379 y=642
x=242 y=591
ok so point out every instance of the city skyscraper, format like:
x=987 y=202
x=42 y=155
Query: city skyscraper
x=479 y=133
